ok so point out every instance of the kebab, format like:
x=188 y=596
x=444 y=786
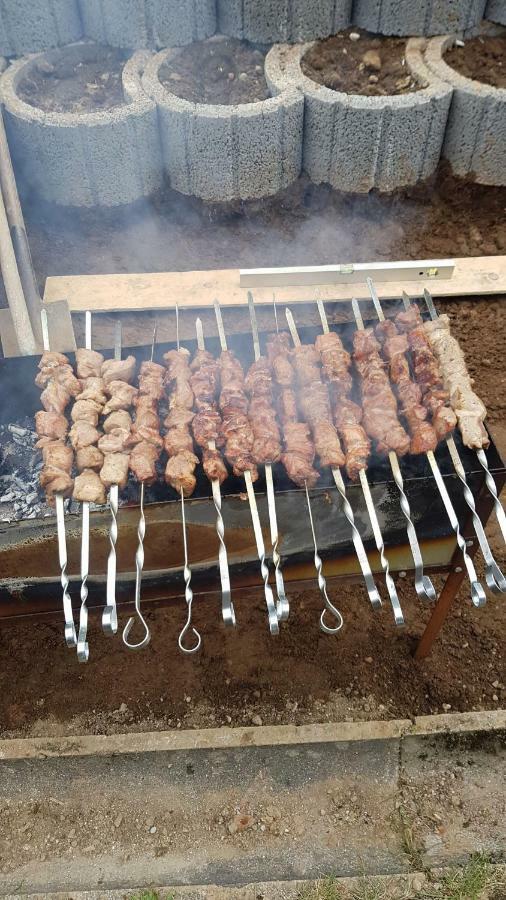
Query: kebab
x=266 y=446
x=368 y=347
x=60 y=384
x=307 y=364
x=437 y=401
x=207 y=434
x=239 y=438
x=146 y=450
x=468 y=407
x=182 y=461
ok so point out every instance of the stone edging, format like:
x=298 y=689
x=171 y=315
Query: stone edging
x=355 y=142
x=417 y=17
x=104 y=158
x=277 y=21
x=222 y=153
x=148 y=23
x=475 y=140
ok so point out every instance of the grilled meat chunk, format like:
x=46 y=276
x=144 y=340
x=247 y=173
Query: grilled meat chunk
x=118 y=370
x=179 y=472
x=115 y=469
x=88 y=488
x=89 y=458
x=88 y=363
x=82 y=434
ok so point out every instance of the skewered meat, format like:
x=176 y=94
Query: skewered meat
x=89 y=458
x=93 y=389
x=86 y=411
x=315 y=405
x=236 y=427
x=336 y=363
x=115 y=441
x=82 y=434
x=55 y=397
x=278 y=352
x=118 y=370
x=205 y=379
x=266 y=435
x=58 y=455
x=299 y=454
x=88 y=488
x=122 y=396
x=468 y=407
x=379 y=405
x=178 y=378
x=207 y=427
x=177 y=440
x=214 y=466
x=115 y=469
x=61 y=373
x=179 y=472
x=395 y=347
x=55 y=481
x=151 y=378
x=119 y=419
x=88 y=363
x=435 y=397
x=51 y=425
x=143 y=462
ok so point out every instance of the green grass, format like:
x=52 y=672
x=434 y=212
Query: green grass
x=468 y=883
x=150 y=895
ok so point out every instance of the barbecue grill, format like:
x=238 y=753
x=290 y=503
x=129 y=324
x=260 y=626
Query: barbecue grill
x=30 y=572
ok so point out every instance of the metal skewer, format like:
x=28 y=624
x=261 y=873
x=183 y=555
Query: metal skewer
x=70 y=629
x=493 y=575
x=378 y=537
x=489 y=479
x=372 y=590
x=83 y=650
x=423 y=585
x=188 y=593
x=227 y=607
x=255 y=518
x=110 y=613
x=282 y=606
x=139 y=565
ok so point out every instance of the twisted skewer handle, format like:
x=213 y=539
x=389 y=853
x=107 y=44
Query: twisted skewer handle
x=478 y=596
x=423 y=585
x=380 y=546
x=83 y=650
x=110 y=613
x=188 y=593
x=70 y=629
x=499 y=510
x=493 y=575
x=227 y=607
x=139 y=564
x=255 y=518
x=282 y=606
x=322 y=584
x=372 y=590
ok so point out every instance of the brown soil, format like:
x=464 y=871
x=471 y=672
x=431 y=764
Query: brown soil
x=481 y=58
x=244 y=676
x=224 y=71
x=372 y=65
x=68 y=86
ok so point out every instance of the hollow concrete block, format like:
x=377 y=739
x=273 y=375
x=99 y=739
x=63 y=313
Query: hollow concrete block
x=356 y=143
x=148 y=23
x=475 y=140
x=496 y=11
x=105 y=158
x=223 y=153
x=28 y=26
x=418 y=17
x=275 y=21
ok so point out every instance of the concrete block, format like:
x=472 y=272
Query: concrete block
x=275 y=21
x=423 y=17
x=219 y=152
x=148 y=23
x=496 y=11
x=28 y=26
x=104 y=158
x=475 y=140
x=356 y=143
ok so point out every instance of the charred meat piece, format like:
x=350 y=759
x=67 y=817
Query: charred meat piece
x=179 y=472
x=88 y=363
x=262 y=416
x=214 y=466
x=115 y=469
x=299 y=454
x=278 y=354
x=89 y=458
x=118 y=370
x=336 y=363
x=236 y=427
x=88 y=488
x=315 y=404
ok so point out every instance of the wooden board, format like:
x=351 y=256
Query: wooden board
x=161 y=290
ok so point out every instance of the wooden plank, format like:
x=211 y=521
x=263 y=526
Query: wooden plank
x=160 y=290
x=61 y=331
x=10 y=346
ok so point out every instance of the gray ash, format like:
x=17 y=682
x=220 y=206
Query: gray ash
x=20 y=463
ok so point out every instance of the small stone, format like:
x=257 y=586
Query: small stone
x=258 y=69
x=152 y=830
x=447 y=706
x=322 y=812
x=243 y=76
x=354 y=36
x=495 y=698
x=257 y=720
x=460 y=43
x=496 y=684
x=368 y=659
x=240 y=823
x=373 y=79
x=230 y=76
x=188 y=699
x=123 y=708
x=372 y=60
x=433 y=842
x=118 y=820
x=229 y=719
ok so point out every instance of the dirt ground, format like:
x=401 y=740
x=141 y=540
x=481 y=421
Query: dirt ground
x=482 y=58
x=373 y=65
x=224 y=71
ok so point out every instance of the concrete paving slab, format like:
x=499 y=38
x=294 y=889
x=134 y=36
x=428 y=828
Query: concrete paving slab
x=148 y=23
x=418 y=17
x=280 y=21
